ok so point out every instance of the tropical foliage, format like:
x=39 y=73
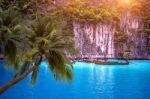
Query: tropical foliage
x=50 y=41
x=14 y=36
x=24 y=47
x=83 y=13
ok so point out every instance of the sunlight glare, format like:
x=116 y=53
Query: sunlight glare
x=126 y=2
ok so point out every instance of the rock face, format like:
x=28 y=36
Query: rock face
x=132 y=25
x=94 y=39
x=97 y=40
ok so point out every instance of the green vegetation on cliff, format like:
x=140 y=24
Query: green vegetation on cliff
x=84 y=13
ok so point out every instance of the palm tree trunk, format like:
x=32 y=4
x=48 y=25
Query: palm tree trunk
x=15 y=80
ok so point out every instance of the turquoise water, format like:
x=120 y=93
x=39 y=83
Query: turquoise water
x=90 y=82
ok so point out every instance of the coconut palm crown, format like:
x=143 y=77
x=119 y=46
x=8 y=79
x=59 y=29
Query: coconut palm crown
x=26 y=47
x=14 y=36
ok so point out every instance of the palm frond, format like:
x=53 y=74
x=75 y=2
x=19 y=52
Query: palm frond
x=14 y=36
x=50 y=40
x=37 y=61
x=59 y=64
x=25 y=67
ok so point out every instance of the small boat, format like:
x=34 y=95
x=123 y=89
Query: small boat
x=111 y=63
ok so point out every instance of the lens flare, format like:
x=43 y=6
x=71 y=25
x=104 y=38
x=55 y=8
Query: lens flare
x=126 y=2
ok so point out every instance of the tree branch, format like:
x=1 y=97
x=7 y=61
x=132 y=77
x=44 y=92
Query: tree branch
x=15 y=80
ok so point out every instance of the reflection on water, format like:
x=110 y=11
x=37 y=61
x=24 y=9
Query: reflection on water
x=90 y=81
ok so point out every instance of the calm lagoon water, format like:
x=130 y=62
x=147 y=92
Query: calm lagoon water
x=90 y=82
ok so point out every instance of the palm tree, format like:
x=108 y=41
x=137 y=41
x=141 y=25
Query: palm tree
x=14 y=36
x=49 y=41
